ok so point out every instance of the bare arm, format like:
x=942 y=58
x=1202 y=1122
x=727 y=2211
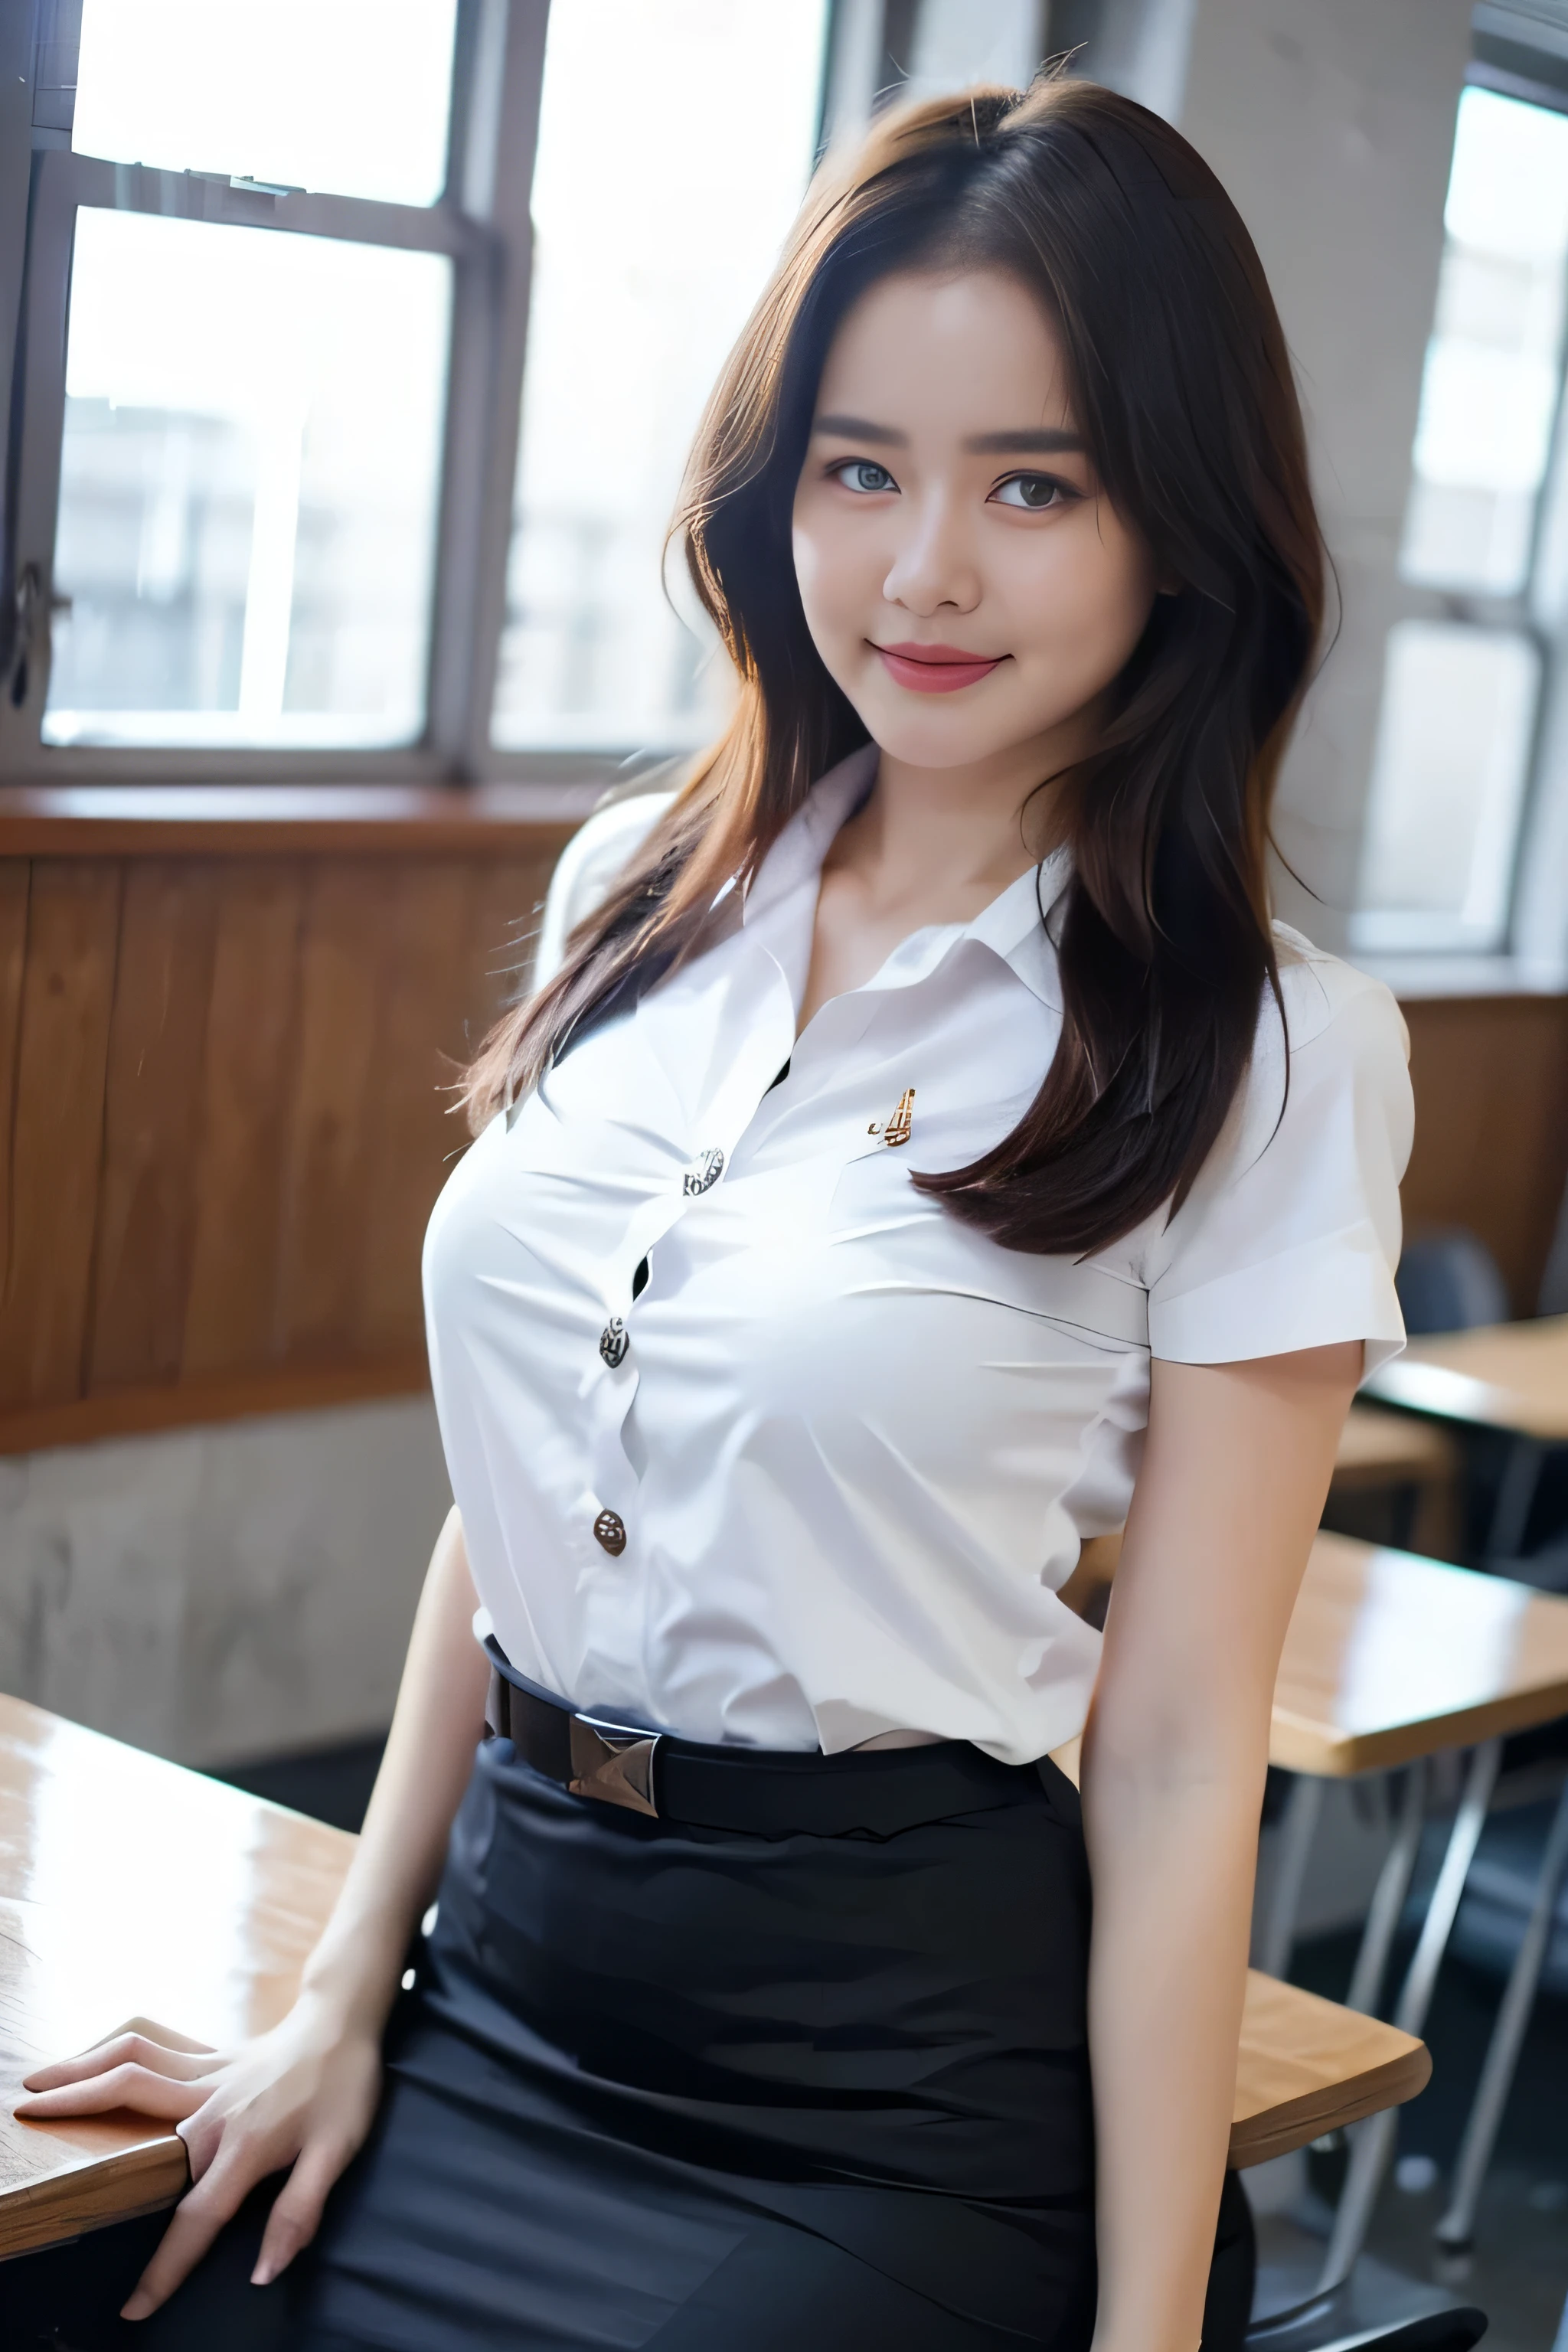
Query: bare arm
x=438 y=1719
x=304 y=2094
x=1236 y=1469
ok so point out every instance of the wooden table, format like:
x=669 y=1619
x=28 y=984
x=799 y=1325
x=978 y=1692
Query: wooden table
x=130 y=1888
x=1512 y=1376
x=1506 y=1376
x=1390 y=1659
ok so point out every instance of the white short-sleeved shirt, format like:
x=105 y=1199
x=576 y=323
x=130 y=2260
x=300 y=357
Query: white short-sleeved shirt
x=821 y=1477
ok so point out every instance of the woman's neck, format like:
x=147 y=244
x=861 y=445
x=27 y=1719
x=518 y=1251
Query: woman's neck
x=955 y=837
x=928 y=845
x=924 y=835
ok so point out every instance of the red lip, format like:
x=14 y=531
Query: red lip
x=936 y=669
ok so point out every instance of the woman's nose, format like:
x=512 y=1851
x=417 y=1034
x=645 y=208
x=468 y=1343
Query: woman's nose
x=934 y=565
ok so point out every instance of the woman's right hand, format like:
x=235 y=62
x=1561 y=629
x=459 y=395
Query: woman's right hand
x=302 y=2095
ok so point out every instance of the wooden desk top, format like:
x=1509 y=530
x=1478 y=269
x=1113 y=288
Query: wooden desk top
x=1308 y=2066
x=1505 y=1376
x=1390 y=1657
x=128 y=1888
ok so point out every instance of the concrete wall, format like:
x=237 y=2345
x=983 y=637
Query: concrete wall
x=216 y=1594
x=1331 y=125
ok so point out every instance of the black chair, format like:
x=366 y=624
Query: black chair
x=1449 y=1281
x=1356 y=2319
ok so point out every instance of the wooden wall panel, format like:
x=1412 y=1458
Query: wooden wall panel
x=56 y=1127
x=330 y=1171
x=15 y=878
x=247 y=1075
x=226 y=1078
x=1490 y=1075
x=147 y=1198
x=411 y=1133
x=509 y=899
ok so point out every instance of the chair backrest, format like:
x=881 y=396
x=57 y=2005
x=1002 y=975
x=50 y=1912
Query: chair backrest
x=1449 y=1282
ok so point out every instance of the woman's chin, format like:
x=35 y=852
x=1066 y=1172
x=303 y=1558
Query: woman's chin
x=945 y=739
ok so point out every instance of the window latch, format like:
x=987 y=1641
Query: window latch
x=30 y=621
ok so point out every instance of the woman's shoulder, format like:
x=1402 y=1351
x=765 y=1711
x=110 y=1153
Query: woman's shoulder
x=1329 y=1004
x=587 y=867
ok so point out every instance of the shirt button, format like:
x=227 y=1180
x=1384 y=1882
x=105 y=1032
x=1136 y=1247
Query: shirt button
x=613 y=1342
x=611 y=1531
x=704 y=1171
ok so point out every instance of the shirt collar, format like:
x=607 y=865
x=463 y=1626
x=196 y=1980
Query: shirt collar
x=1011 y=925
x=1016 y=926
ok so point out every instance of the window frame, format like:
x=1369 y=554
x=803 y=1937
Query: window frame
x=481 y=222
x=1530 y=945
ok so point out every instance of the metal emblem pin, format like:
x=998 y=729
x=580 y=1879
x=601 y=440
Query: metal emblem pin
x=896 y=1130
x=704 y=1171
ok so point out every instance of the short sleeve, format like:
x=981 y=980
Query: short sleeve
x=587 y=869
x=1290 y=1236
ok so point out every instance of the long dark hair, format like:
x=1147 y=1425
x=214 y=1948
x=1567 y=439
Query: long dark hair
x=1182 y=388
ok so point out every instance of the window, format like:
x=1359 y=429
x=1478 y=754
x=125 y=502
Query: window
x=1463 y=684
x=351 y=97
x=245 y=532
x=642 y=281
x=354 y=348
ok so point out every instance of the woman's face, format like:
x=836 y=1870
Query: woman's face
x=964 y=579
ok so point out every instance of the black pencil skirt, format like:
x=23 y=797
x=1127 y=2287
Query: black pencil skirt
x=702 y=2091
x=661 y=2086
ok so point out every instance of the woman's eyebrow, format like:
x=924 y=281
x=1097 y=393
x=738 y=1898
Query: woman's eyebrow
x=1035 y=440
x=860 y=428
x=1026 y=441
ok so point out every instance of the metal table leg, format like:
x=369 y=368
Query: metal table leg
x=1372 y=2143
x=1502 y=2053
x=1388 y=1897
x=1297 y=1832
x=1515 y=1495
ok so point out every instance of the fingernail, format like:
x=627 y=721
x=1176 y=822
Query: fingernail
x=138 y=2307
x=263 y=2274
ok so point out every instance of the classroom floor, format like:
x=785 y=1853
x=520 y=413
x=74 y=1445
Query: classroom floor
x=1517 y=2273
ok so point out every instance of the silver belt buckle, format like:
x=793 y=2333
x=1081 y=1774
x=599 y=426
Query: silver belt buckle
x=614 y=1762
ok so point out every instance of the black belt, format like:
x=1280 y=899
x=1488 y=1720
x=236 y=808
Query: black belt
x=760 y=1792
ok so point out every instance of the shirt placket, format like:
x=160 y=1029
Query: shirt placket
x=610 y=1379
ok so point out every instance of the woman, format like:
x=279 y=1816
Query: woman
x=904 y=1179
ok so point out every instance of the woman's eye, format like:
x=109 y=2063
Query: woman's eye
x=1035 y=491
x=864 y=474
